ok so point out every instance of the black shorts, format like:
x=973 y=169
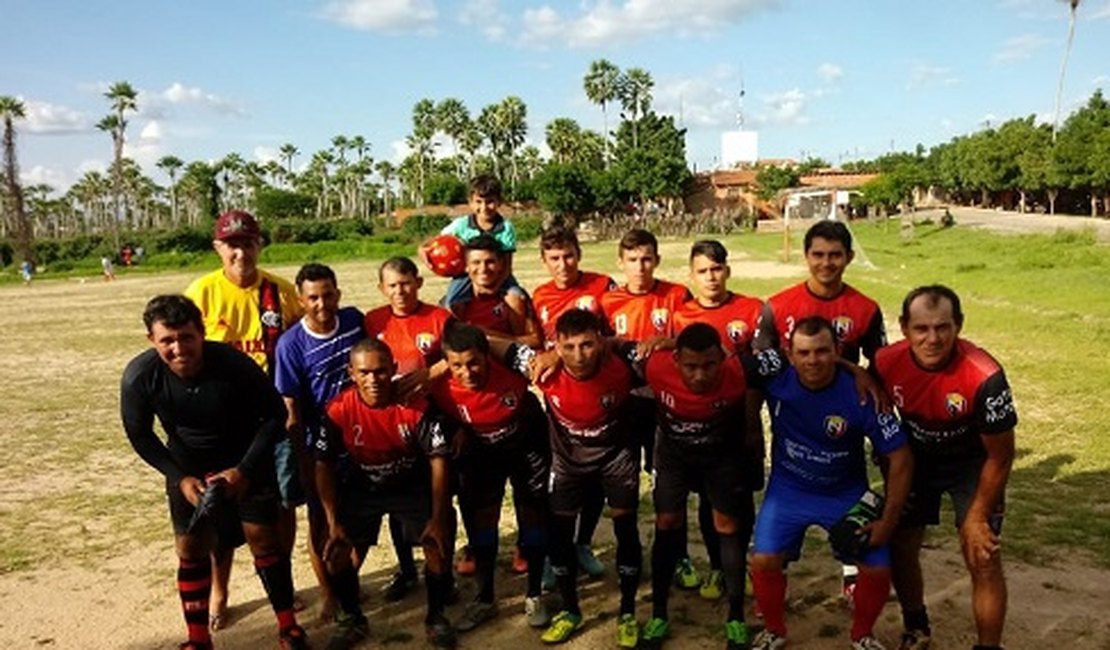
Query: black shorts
x=678 y=472
x=360 y=512
x=618 y=474
x=259 y=505
x=932 y=478
x=483 y=470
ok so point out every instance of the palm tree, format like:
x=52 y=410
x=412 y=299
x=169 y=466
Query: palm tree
x=386 y=170
x=122 y=96
x=562 y=134
x=231 y=169
x=512 y=115
x=287 y=152
x=452 y=118
x=424 y=124
x=12 y=109
x=171 y=165
x=1073 y=6
x=600 y=84
x=634 y=91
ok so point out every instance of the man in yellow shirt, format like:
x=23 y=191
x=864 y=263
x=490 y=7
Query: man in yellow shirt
x=248 y=308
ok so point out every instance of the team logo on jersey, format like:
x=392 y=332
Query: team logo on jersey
x=404 y=431
x=659 y=318
x=543 y=314
x=499 y=309
x=271 y=318
x=736 y=330
x=509 y=400
x=956 y=404
x=607 y=401
x=720 y=405
x=835 y=426
x=842 y=325
x=424 y=342
x=585 y=303
x=620 y=324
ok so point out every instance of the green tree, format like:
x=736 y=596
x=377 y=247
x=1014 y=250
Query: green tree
x=565 y=189
x=287 y=152
x=171 y=165
x=562 y=135
x=122 y=97
x=600 y=84
x=653 y=167
x=772 y=179
x=12 y=109
x=634 y=91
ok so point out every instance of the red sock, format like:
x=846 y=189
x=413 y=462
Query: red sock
x=194 y=585
x=770 y=593
x=872 y=589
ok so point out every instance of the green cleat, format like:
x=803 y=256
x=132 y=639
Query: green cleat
x=738 y=636
x=686 y=576
x=628 y=631
x=655 y=631
x=562 y=627
x=714 y=586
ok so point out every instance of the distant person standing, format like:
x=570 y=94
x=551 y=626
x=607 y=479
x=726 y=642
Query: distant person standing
x=27 y=271
x=221 y=416
x=108 y=268
x=958 y=410
x=248 y=308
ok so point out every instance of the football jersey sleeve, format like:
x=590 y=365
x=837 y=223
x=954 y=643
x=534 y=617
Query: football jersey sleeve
x=507 y=236
x=884 y=430
x=329 y=439
x=766 y=334
x=518 y=357
x=874 y=337
x=433 y=433
x=994 y=406
x=762 y=367
x=455 y=227
x=287 y=375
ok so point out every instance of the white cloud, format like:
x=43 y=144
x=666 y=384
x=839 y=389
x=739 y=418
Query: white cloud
x=785 y=108
x=1101 y=13
x=604 y=22
x=148 y=147
x=830 y=72
x=924 y=75
x=92 y=165
x=40 y=175
x=1018 y=48
x=383 y=15
x=400 y=150
x=1101 y=81
x=485 y=16
x=43 y=117
x=152 y=131
x=701 y=102
x=179 y=93
x=264 y=154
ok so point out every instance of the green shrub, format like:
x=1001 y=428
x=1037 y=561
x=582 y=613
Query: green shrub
x=272 y=204
x=181 y=240
x=304 y=231
x=527 y=226
x=444 y=189
x=348 y=228
x=419 y=227
x=7 y=252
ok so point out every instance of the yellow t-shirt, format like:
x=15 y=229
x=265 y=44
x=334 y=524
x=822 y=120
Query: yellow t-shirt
x=232 y=314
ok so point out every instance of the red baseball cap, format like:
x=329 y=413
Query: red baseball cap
x=237 y=224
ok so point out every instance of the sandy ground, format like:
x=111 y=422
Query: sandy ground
x=124 y=596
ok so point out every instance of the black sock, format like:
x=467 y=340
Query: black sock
x=664 y=558
x=436 y=585
x=592 y=506
x=534 y=554
x=732 y=565
x=405 y=562
x=564 y=561
x=484 y=547
x=916 y=620
x=276 y=574
x=709 y=532
x=346 y=589
x=630 y=557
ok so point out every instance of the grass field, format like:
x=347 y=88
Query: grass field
x=73 y=493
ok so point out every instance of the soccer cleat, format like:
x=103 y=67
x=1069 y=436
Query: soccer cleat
x=398 y=587
x=548 y=581
x=686 y=576
x=475 y=614
x=588 y=562
x=441 y=634
x=350 y=629
x=520 y=563
x=562 y=627
x=768 y=640
x=655 y=631
x=867 y=643
x=713 y=587
x=628 y=631
x=293 y=638
x=915 y=640
x=535 y=612
x=465 y=565
x=737 y=635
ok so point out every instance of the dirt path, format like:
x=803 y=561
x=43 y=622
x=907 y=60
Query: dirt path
x=1015 y=223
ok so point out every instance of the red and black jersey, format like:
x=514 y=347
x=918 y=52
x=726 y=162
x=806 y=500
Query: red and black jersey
x=735 y=319
x=387 y=445
x=945 y=411
x=641 y=316
x=488 y=312
x=550 y=301
x=414 y=339
x=857 y=320
x=494 y=412
x=706 y=421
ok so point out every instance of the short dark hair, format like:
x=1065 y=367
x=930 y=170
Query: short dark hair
x=636 y=238
x=486 y=242
x=830 y=230
x=486 y=186
x=399 y=264
x=172 y=310
x=698 y=337
x=710 y=248
x=577 y=321
x=933 y=293
x=461 y=337
x=371 y=344
x=812 y=326
x=559 y=237
x=313 y=272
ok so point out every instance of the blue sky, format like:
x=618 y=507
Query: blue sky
x=839 y=79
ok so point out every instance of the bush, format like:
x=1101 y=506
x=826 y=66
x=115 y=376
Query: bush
x=419 y=227
x=444 y=189
x=303 y=231
x=181 y=240
x=7 y=253
x=274 y=204
x=527 y=226
x=350 y=228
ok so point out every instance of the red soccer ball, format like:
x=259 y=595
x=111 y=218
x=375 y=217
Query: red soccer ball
x=446 y=256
